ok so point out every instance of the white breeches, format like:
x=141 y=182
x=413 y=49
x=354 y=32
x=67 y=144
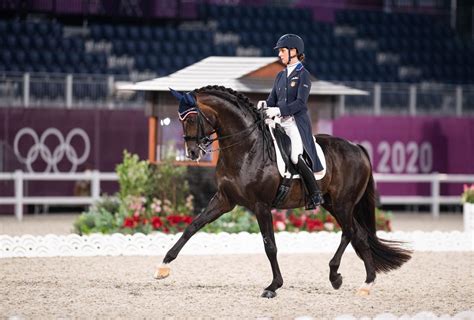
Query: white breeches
x=292 y=131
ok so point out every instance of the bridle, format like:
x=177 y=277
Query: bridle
x=203 y=140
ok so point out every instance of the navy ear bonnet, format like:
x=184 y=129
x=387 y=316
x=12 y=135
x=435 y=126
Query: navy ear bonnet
x=187 y=103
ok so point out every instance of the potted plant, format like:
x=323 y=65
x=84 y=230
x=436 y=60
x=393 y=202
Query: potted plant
x=468 y=207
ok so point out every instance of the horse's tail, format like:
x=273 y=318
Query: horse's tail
x=387 y=255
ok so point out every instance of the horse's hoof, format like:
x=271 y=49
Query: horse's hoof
x=336 y=284
x=162 y=272
x=364 y=290
x=268 y=294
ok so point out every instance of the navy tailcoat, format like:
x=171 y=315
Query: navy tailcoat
x=290 y=94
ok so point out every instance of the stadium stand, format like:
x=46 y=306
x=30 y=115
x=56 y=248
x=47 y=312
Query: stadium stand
x=359 y=46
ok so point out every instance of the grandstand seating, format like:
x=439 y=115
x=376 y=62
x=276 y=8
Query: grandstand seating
x=420 y=42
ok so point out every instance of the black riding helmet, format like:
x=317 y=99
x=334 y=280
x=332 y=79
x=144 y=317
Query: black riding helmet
x=290 y=41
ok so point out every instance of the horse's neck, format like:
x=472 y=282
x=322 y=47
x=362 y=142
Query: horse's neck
x=233 y=122
x=235 y=127
x=239 y=136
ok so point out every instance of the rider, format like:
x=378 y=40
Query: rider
x=288 y=99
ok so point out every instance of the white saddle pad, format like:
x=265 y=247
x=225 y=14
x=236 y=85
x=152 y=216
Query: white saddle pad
x=281 y=164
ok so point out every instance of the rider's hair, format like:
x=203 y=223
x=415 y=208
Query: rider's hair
x=301 y=56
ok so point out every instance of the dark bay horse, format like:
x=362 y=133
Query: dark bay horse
x=248 y=176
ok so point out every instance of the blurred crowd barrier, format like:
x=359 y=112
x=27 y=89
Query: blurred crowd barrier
x=98 y=91
x=64 y=91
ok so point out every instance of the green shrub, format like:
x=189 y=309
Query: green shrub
x=468 y=194
x=133 y=176
x=99 y=218
x=237 y=220
x=168 y=181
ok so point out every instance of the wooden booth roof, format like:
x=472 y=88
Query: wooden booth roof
x=244 y=74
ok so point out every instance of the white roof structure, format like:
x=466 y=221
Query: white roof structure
x=231 y=72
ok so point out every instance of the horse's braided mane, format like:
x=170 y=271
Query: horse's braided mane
x=242 y=102
x=236 y=98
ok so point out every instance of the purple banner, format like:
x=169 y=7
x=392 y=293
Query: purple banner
x=59 y=140
x=413 y=145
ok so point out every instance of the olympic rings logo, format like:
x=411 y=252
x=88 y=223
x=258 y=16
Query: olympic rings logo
x=52 y=157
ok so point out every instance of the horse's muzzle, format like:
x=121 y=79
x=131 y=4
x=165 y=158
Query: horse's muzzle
x=194 y=154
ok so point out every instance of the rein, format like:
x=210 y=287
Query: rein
x=204 y=141
x=251 y=128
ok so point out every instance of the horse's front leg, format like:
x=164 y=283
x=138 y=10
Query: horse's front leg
x=218 y=205
x=265 y=222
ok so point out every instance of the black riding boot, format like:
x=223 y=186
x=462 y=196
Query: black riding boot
x=315 y=196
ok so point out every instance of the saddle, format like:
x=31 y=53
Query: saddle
x=286 y=168
x=282 y=145
x=283 y=142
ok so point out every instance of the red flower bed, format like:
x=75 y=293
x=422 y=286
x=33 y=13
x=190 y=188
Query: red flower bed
x=301 y=220
x=169 y=224
x=317 y=220
x=143 y=216
x=314 y=224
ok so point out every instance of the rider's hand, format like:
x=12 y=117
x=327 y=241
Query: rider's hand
x=272 y=112
x=261 y=104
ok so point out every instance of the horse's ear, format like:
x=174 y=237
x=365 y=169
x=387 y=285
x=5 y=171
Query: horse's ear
x=189 y=99
x=176 y=94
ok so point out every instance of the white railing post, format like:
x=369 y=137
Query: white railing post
x=342 y=105
x=453 y=13
x=26 y=89
x=19 y=194
x=435 y=195
x=377 y=99
x=95 y=185
x=412 y=100
x=69 y=91
x=459 y=101
x=110 y=91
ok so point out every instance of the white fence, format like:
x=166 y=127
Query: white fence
x=435 y=179
x=19 y=177
x=18 y=200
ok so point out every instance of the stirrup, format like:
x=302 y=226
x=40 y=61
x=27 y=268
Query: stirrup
x=314 y=201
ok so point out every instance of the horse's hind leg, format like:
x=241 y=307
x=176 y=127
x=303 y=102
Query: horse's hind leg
x=360 y=242
x=218 y=205
x=264 y=218
x=343 y=216
x=334 y=276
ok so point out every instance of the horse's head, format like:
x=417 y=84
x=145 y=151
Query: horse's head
x=197 y=127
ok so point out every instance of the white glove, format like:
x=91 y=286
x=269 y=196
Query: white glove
x=272 y=112
x=261 y=104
